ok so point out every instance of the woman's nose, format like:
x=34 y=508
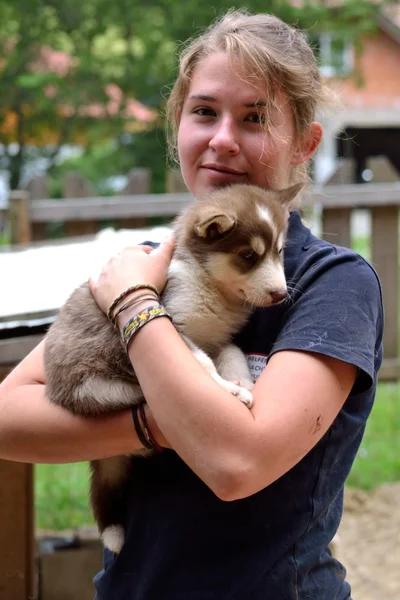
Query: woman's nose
x=224 y=140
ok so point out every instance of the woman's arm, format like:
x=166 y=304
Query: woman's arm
x=32 y=429
x=237 y=452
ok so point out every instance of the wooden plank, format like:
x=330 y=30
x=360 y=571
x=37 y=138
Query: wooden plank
x=77 y=228
x=139 y=182
x=336 y=226
x=40 y=231
x=355 y=195
x=4 y=371
x=13 y=350
x=385 y=258
x=112 y=207
x=18 y=212
x=174 y=182
x=17 y=550
x=390 y=370
x=38 y=187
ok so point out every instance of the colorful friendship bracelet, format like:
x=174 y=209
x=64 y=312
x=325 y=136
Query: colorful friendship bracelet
x=143 y=317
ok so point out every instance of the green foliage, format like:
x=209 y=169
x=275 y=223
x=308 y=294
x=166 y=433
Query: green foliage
x=124 y=42
x=99 y=163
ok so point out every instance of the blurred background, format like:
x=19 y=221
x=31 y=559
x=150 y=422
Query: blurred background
x=83 y=86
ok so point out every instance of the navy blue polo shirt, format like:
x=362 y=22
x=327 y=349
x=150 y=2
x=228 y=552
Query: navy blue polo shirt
x=182 y=542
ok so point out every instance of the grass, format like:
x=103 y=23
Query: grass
x=4 y=239
x=378 y=459
x=62 y=496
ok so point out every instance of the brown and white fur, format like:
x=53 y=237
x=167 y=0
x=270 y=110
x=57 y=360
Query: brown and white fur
x=227 y=260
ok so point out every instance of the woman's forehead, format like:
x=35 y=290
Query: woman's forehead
x=215 y=76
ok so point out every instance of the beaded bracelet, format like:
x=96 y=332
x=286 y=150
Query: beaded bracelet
x=134 y=288
x=134 y=324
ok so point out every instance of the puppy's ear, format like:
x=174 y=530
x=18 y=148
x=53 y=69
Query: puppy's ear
x=288 y=196
x=212 y=224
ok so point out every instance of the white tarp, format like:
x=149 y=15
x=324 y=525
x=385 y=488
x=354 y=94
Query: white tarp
x=37 y=281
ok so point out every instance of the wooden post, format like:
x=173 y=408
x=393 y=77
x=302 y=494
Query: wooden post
x=139 y=181
x=175 y=183
x=385 y=257
x=17 y=549
x=336 y=226
x=76 y=186
x=18 y=214
x=38 y=189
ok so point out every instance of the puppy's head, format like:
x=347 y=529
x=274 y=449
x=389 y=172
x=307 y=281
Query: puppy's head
x=237 y=234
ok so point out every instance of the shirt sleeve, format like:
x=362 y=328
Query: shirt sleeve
x=336 y=310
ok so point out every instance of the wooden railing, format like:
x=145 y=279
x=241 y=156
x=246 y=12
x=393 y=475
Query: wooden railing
x=85 y=215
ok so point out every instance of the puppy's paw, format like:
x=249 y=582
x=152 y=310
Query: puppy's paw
x=248 y=384
x=113 y=538
x=243 y=395
x=240 y=392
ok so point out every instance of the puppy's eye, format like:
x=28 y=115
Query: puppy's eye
x=280 y=251
x=248 y=255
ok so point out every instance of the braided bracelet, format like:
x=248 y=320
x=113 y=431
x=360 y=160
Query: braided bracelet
x=134 y=288
x=134 y=324
x=132 y=302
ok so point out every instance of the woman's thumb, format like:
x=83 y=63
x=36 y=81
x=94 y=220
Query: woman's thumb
x=167 y=246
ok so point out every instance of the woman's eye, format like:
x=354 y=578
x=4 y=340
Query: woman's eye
x=203 y=112
x=256 y=118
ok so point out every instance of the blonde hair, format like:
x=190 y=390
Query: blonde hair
x=269 y=52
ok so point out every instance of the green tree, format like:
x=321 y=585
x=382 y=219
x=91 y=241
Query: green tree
x=128 y=43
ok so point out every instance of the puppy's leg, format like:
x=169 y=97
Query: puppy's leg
x=98 y=394
x=107 y=499
x=243 y=394
x=232 y=365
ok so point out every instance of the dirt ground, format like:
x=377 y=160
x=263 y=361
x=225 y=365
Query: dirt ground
x=369 y=542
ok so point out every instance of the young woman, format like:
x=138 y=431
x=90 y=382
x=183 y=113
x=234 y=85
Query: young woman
x=240 y=505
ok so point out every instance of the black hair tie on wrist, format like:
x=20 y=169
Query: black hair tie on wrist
x=138 y=428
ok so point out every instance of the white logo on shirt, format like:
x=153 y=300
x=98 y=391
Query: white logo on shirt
x=256 y=364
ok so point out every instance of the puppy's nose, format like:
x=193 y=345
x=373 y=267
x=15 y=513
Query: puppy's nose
x=278 y=295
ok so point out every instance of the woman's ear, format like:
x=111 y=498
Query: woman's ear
x=308 y=145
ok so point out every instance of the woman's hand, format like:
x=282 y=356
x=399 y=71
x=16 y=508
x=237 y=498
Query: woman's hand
x=133 y=266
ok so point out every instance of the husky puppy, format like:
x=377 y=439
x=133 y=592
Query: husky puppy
x=227 y=260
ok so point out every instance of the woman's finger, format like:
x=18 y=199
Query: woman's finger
x=147 y=249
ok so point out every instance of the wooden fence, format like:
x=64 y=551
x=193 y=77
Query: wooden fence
x=83 y=215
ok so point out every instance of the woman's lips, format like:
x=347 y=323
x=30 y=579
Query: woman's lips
x=221 y=173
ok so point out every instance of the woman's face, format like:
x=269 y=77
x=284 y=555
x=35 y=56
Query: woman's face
x=221 y=136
